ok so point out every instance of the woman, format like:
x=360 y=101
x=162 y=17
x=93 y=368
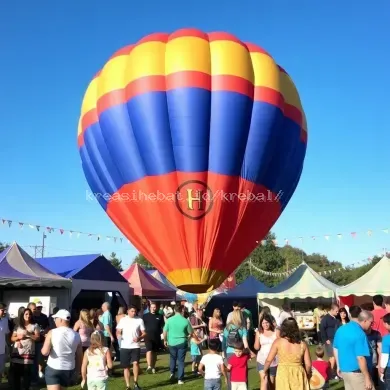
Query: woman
x=292 y=354
x=84 y=326
x=216 y=327
x=234 y=327
x=265 y=337
x=267 y=311
x=343 y=316
x=24 y=336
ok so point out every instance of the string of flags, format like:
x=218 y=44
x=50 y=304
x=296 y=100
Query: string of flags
x=322 y=273
x=71 y=233
x=286 y=241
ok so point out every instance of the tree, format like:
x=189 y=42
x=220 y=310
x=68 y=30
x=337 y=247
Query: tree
x=116 y=262
x=143 y=262
x=3 y=246
x=266 y=257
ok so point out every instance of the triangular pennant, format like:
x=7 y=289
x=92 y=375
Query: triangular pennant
x=114 y=239
x=339 y=236
x=9 y=223
x=385 y=230
x=70 y=233
x=369 y=232
x=121 y=239
x=21 y=225
x=78 y=234
x=108 y=238
x=327 y=238
x=62 y=231
x=98 y=237
x=313 y=237
x=38 y=227
x=3 y=221
x=31 y=226
x=353 y=234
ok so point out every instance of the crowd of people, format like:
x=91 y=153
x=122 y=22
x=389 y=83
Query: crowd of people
x=65 y=351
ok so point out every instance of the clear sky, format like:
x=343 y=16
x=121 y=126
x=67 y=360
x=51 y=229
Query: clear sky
x=335 y=51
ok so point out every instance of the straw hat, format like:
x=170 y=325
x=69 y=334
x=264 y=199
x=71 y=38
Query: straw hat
x=317 y=381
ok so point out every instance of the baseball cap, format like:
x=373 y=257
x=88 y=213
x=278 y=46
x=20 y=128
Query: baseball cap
x=39 y=304
x=63 y=314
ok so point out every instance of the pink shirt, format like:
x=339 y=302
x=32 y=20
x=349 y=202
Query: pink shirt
x=85 y=334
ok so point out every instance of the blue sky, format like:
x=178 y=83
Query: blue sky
x=336 y=52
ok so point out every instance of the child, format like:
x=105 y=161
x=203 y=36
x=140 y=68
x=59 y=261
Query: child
x=196 y=353
x=211 y=366
x=322 y=366
x=96 y=363
x=238 y=367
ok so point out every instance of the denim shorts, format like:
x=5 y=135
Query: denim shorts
x=58 y=377
x=196 y=358
x=272 y=370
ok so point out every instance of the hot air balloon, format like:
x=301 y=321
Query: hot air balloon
x=193 y=143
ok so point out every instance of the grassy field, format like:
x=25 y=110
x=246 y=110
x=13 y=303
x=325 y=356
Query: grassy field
x=161 y=378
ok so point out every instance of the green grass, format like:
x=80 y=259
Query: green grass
x=160 y=380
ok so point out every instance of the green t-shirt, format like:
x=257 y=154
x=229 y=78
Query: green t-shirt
x=178 y=329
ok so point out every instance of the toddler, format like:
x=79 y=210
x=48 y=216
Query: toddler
x=211 y=367
x=238 y=367
x=322 y=366
x=196 y=353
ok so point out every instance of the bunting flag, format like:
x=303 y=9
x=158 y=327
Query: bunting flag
x=286 y=241
x=72 y=233
x=322 y=273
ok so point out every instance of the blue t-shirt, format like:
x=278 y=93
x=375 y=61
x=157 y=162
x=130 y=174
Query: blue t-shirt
x=195 y=351
x=242 y=332
x=351 y=342
x=386 y=346
x=107 y=320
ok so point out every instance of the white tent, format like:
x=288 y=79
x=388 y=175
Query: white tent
x=303 y=283
x=373 y=282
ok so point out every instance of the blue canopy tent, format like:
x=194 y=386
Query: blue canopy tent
x=89 y=273
x=246 y=292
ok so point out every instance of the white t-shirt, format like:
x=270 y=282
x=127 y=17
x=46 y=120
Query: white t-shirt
x=212 y=365
x=64 y=342
x=4 y=330
x=131 y=328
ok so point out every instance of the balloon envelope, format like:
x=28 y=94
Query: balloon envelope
x=193 y=144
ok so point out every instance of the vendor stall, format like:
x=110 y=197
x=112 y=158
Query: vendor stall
x=304 y=289
x=373 y=282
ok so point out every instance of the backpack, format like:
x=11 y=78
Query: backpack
x=234 y=337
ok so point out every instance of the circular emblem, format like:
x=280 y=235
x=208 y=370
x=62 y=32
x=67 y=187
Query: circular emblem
x=194 y=199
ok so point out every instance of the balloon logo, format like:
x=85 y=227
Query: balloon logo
x=193 y=144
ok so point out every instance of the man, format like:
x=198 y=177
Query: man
x=198 y=324
x=285 y=313
x=384 y=363
x=131 y=330
x=375 y=343
x=107 y=324
x=63 y=346
x=378 y=313
x=235 y=307
x=247 y=315
x=42 y=321
x=177 y=331
x=351 y=351
x=154 y=324
x=4 y=337
x=328 y=327
x=52 y=324
x=318 y=315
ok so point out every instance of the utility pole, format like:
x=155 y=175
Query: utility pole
x=39 y=250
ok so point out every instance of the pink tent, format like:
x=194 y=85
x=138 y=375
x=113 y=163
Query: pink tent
x=146 y=285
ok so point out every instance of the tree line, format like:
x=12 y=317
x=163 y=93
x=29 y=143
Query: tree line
x=271 y=258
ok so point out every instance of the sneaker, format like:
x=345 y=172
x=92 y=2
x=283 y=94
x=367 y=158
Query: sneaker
x=128 y=388
x=136 y=387
x=172 y=376
x=180 y=383
x=153 y=370
x=41 y=375
x=149 y=369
